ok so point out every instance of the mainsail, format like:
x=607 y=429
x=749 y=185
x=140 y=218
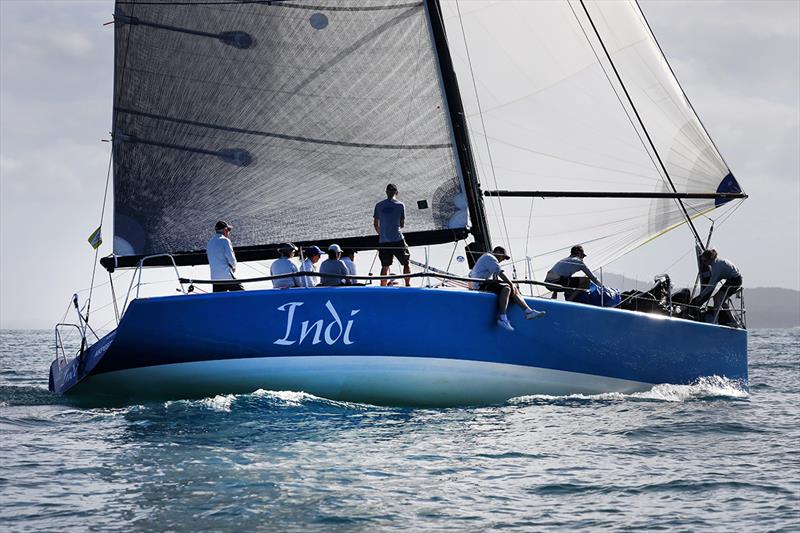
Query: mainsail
x=287 y=118
x=576 y=96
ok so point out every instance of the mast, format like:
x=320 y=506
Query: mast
x=477 y=212
x=641 y=124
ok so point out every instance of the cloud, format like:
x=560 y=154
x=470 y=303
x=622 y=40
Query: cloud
x=8 y=165
x=73 y=42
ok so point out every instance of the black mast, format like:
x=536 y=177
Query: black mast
x=480 y=227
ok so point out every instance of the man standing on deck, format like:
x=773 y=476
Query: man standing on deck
x=561 y=274
x=221 y=258
x=388 y=218
x=487 y=268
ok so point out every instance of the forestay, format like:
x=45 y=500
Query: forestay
x=285 y=118
x=551 y=114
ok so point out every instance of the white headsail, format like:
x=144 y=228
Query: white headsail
x=547 y=112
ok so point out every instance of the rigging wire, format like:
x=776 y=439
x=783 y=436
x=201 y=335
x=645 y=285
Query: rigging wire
x=483 y=125
x=97 y=250
x=450 y=262
x=528 y=235
x=685 y=97
x=633 y=108
x=105 y=192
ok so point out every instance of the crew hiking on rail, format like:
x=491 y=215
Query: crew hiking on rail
x=487 y=268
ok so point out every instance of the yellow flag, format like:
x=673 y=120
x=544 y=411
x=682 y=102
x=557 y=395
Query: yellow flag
x=95 y=239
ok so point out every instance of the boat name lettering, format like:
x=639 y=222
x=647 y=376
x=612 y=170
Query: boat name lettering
x=318 y=331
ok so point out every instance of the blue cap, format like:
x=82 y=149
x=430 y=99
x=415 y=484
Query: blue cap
x=311 y=251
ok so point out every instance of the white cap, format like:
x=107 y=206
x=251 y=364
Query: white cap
x=335 y=249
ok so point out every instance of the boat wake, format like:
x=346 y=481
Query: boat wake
x=263 y=398
x=707 y=388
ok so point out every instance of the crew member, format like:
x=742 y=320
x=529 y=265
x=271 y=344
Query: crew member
x=333 y=265
x=309 y=264
x=285 y=265
x=561 y=274
x=389 y=217
x=487 y=268
x=221 y=258
x=720 y=270
x=349 y=257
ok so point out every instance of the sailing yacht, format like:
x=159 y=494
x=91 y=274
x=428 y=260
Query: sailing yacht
x=289 y=117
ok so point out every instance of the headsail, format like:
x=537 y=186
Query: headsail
x=555 y=117
x=287 y=118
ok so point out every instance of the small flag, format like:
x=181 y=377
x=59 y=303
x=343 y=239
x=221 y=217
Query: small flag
x=95 y=239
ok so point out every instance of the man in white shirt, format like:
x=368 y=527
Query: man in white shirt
x=221 y=258
x=285 y=265
x=487 y=268
x=348 y=258
x=562 y=272
x=313 y=254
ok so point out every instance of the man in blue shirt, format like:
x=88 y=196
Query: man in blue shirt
x=388 y=218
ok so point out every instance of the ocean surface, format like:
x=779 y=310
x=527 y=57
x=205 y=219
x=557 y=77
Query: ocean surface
x=706 y=457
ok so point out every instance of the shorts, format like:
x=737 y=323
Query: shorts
x=571 y=282
x=228 y=287
x=492 y=286
x=390 y=250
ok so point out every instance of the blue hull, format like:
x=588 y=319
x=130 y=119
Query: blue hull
x=392 y=346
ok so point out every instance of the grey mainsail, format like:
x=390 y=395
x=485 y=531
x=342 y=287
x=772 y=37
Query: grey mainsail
x=286 y=118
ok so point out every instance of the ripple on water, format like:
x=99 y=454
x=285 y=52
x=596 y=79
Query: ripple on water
x=711 y=455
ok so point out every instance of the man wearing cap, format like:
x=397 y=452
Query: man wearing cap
x=310 y=265
x=720 y=270
x=487 y=268
x=389 y=217
x=221 y=258
x=561 y=274
x=285 y=265
x=333 y=265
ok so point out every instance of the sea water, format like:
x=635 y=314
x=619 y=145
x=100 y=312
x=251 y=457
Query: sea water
x=704 y=457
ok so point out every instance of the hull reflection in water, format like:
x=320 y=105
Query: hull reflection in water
x=393 y=346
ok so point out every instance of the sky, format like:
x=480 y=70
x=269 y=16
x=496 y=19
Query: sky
x=738 y=61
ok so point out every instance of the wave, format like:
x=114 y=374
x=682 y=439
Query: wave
x=226 y=402
x=712 y=387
